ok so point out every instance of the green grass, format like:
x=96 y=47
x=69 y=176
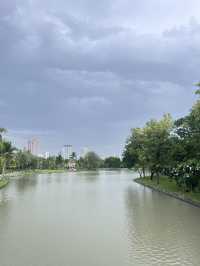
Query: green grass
x=3 y=183
x=168 y=186
x=194 y=196
x=165 y=183
x=48 y=171
x=36 y=171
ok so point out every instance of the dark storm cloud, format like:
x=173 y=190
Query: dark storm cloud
x=83 y=72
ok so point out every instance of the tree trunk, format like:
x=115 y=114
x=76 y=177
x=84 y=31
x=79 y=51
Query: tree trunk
x=152 y=175
x=158 y=178
x=140 y=173
x=4 y=168
x=143 y=171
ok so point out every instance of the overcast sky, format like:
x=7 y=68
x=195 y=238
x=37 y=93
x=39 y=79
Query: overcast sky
x=84 y=72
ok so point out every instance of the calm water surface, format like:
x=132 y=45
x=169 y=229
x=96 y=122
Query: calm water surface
x=94 y=219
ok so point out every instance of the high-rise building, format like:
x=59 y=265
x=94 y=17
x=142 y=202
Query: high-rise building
x=29 y=148
x=68 y=151
x=33 y=146
x=64 y=152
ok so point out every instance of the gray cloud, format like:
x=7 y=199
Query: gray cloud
x=83 y=72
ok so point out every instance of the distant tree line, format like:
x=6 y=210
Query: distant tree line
x=167 y=147
x=13 y=159
x=92 y=161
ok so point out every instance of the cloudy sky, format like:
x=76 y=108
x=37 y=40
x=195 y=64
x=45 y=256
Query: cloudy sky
x=84 y=72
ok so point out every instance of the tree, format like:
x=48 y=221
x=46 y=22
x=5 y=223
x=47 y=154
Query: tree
x=81 y=163
x=149 y=147
x=130 y=156
x=188 y=132
x=134 y=154
x=59 y=161
x=112 y=162
x=73 y=156
x=128 y=159
x=91 y=161
x=158 y=144
x=198 y=90
x=2 y=131
x=6 y=153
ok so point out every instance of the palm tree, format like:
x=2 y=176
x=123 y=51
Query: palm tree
x=6 y=153
x=2 y=131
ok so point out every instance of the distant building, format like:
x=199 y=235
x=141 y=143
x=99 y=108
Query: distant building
x=64 y=152
x=33 y=146
x=71 y=165
x=29 y=148
x=67 y=151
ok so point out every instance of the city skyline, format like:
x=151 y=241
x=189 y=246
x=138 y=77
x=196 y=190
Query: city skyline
x=34 y=147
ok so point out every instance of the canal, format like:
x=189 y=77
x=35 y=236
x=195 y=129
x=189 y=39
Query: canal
x=97 y=218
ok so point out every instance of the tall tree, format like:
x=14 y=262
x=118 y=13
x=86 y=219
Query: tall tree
x=6 y=153
x=149 y=147
x=112 y=162
x=158 y=144
x=2 y=131
x=91 y=161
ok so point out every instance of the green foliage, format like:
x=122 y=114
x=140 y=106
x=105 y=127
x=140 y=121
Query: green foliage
x=186 y=174
x=169 y=186
x=134 y=153
x=112 y=162
x=12 y=159
x=149 y=147
x=157 y=144
x=59 y=161
x=6 y=153
x=2 y=131
x=3 y=182
x=73 y=156
x=188 y=133
x=25 y=160
x=172 y=149
x=198 y=85
x=90 y=161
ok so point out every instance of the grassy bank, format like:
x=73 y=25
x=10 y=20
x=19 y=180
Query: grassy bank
x=36 y=171
x=3 y=183
x=31 y=172
x=170 y=188
x=40 y=171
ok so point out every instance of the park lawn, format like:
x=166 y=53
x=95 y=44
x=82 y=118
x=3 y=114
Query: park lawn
x=167 y=185
x=194 y=196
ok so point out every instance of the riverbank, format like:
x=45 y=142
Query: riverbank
x=170 y=188
x=31 y=172
x=4 y=179
x=3 y=183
